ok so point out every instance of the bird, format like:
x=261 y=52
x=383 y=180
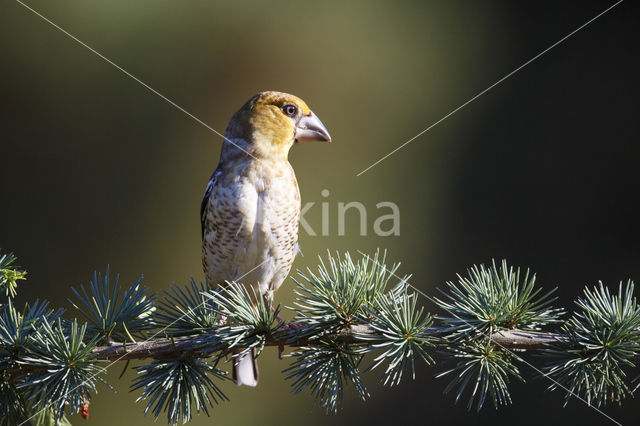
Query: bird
x=251 y=206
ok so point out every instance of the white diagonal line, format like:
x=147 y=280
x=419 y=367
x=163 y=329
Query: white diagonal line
x=490 y=87
x=148 y=339
x=128 y=74
x=498 y=344
x=145 y=85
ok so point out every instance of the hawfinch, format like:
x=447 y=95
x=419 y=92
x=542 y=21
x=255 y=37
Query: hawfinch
x=251 y=206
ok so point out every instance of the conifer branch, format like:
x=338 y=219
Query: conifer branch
x=350 y=318
x=356 y=334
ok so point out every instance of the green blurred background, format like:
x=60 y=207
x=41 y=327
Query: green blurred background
x=541 y=170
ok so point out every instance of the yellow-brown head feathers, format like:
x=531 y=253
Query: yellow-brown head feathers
x=277 y=99
x=270 y=122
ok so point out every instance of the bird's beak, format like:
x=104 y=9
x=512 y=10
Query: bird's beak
x=310 y=128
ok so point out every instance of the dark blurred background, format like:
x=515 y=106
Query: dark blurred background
x=541 y=170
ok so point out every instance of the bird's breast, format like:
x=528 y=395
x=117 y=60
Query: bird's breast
x=263 y=204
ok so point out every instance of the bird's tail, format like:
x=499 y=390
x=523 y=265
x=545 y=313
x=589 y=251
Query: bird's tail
x=245 y=369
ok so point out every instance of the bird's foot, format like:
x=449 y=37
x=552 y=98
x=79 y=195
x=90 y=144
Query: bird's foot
x=222 y=320
x=296 y=326
x=286 y=327
x=280 y=350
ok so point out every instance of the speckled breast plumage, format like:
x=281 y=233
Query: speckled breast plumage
x=250 y=223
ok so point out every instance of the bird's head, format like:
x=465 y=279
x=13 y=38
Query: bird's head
x=270 y=122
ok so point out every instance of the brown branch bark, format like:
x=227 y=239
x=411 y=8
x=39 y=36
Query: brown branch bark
x=520 y=339
x=162 y=348
x=510 y=339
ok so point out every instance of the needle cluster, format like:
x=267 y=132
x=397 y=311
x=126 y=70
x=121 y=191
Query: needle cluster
x=351 y=318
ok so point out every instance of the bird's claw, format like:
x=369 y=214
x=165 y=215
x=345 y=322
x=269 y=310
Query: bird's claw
x=292 y=326
x=222 y=320
x=286 y=327
x=280 y=350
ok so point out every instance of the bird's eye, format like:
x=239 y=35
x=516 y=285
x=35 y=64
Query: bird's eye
x=290 y=110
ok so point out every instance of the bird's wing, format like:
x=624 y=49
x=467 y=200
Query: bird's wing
x=205 y=199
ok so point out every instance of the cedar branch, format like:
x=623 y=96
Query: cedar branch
x=160 y=348
x=163 y=348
